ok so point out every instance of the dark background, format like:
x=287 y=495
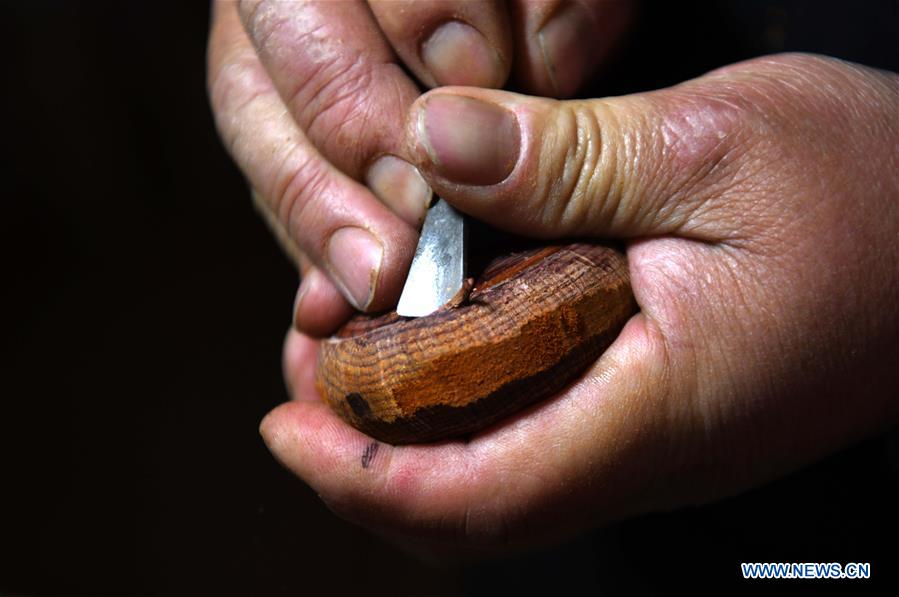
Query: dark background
x=145 y=305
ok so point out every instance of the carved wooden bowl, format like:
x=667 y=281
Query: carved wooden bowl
x=532 y=323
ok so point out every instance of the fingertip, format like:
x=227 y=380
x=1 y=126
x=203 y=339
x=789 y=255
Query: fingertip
x=458 y=54
x=265 y=428
x=275 y=431
x=399 y=246
x=293 y=432
x=319 y=308
x=315 y=444
x=354 y=256
x=478 y=150
x=299 y=359
x=452 y=42
x=465 y=138
x=400 y=186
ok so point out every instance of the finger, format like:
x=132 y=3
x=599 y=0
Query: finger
x=337 y=76
x=318 y=308
x=593 y=449
x=449 y=43
x=298 y=365
x=334 y=220
x=632 y=166
x=281 y=234
x=559 y=44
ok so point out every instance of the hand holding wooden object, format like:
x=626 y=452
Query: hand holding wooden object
x=533 y=321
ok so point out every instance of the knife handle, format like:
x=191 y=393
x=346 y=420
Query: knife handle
x=532 y=323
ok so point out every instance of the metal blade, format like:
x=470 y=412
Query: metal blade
x=438 y=268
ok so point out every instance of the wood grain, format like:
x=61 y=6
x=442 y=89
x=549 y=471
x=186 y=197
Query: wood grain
x=531 y=324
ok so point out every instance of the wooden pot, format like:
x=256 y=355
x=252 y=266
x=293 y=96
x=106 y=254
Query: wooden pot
x=532 y=323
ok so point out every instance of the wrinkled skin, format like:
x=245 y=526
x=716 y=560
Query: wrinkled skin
x=760 y=208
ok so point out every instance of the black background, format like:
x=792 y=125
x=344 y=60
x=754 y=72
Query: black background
x=145 y=305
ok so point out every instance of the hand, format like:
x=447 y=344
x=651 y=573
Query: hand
x=311 y=100
x=760 y=204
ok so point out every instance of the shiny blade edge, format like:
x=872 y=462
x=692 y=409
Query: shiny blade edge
x=437 y=273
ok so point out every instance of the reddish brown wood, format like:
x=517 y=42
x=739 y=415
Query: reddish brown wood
x=532 y=323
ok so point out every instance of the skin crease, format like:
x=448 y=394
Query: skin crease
x=760 y=206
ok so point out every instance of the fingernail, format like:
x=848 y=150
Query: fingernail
x=470 y=141
x=398 y=185
x=457 y=54
x=354 y=258
x=562 y=42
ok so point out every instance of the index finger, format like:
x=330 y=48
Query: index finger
x=340 y=80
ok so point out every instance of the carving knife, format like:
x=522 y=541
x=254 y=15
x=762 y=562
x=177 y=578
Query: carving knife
x=437 y=273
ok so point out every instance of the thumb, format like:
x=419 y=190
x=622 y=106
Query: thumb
x=622 y=167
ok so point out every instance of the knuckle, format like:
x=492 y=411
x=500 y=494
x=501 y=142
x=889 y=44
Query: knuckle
x=298 y=200
x=305 y=57
x=335 y=103
x=581 y=159
x=598 y=188
x=235 y=86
